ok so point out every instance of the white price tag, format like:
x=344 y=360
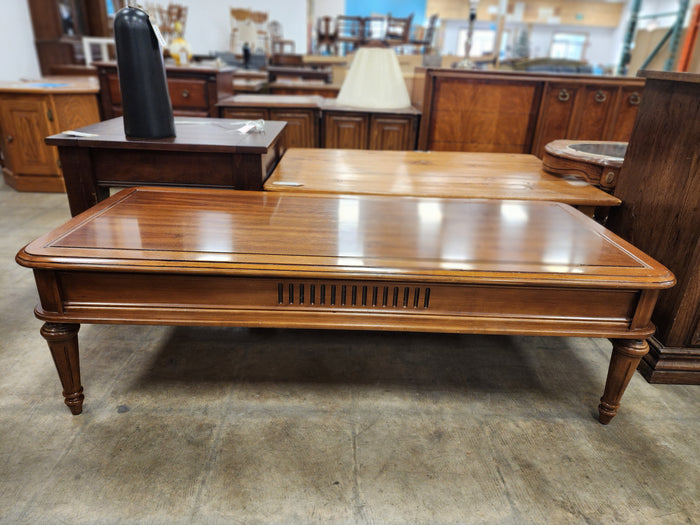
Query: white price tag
x=159 y=36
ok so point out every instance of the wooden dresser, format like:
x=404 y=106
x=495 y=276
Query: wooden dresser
x=194 y=90
x=660 y=190
x=520 y=112
x=30 y=111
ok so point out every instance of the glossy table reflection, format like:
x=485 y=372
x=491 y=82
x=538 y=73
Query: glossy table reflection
x=212 y=257
x=431 y=174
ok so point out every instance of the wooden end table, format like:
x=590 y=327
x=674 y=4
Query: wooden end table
x=206 y=152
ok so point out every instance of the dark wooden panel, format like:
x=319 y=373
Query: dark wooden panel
x=302 y=127
x=392 y=132
x=594 y=113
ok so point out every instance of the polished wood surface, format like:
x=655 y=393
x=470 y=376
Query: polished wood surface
x=213 y=257
x=205 y=153
x=429 y=174
x=660 y=187
x=520 y=112
x=598 y=162
x=29 y=111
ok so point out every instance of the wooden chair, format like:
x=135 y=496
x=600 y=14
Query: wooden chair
x=259 y=18
x=326 y=35
x=426 y=41
x=350 y=30
x=398 y=30
x=238 y=17
x=279 y=45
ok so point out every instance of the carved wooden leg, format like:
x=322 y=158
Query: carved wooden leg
x=626 y=355
x=63 y=343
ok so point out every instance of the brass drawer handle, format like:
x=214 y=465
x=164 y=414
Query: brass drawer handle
x=563 y=95
x=185 y=93
x=9 y=139
x=601 y=96
x=634 y=99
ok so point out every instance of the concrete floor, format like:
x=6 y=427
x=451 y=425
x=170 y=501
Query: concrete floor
x=195 y=425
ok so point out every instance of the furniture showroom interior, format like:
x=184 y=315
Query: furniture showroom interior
x=350 y=262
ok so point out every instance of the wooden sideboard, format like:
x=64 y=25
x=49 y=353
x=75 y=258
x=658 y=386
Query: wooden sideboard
x=519 y=112
x=314 y=121
x=660 y=190
x=302 y=114
x=29 y=111
x=194 y=90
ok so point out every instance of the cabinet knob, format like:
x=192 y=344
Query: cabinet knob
x=601 y=96
x=9 y=139
x=563 y=95
x=634 y=99
x=185 y=93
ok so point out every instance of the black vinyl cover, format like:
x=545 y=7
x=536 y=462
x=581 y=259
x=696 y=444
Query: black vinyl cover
x=148 y=111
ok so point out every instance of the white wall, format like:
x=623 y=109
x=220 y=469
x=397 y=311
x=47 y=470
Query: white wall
x=17 y=52
x=209 y=27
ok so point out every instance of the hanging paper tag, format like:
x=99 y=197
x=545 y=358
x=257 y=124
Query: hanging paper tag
x=159 y=36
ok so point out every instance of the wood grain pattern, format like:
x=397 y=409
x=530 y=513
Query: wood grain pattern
x=659 y=185
x=204 y=152
x=207 y=257
x=429 y=174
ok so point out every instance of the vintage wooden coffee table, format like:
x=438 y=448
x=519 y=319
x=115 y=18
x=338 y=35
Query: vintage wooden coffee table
x=431 y=174
x=262 y=259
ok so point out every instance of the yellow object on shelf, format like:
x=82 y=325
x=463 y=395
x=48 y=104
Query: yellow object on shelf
x=179 y=48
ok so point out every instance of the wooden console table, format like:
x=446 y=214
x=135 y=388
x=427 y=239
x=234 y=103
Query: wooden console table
x=29 y=111
x=430 y=174
x=223 y=258
x=205 y=153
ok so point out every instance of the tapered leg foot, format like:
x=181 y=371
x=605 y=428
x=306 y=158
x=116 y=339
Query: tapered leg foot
x=626 y=355
x=63 y=343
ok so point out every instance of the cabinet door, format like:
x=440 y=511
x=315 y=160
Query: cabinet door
x=555 y=116
x=626 y=112
x=346 y=130
x=25 y=124
x=593 y=113
x=302 y=127
x=394 y=132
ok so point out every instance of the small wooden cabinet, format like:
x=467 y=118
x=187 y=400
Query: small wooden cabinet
x=29 y=112
x=301 y=113
x=356 y=128
x=194 y=90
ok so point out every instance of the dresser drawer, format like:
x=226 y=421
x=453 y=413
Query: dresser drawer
x=188 y=93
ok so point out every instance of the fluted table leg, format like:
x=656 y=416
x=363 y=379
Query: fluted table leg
x=63 y=343
x=626 y=355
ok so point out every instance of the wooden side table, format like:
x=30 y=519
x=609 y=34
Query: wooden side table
x=204 y=153
x=598 y=162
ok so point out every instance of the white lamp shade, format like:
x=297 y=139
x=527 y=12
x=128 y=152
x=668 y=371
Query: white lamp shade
x=374 y=81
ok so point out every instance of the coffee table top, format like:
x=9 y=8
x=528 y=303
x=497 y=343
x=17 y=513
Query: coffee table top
x=192 y=134
x=263 y=233
x=429 y=174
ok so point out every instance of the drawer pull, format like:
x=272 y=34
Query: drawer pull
x=9 y=139
x=185 y=93
x=563 y=95
x=601 y=96
x=634 y=99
